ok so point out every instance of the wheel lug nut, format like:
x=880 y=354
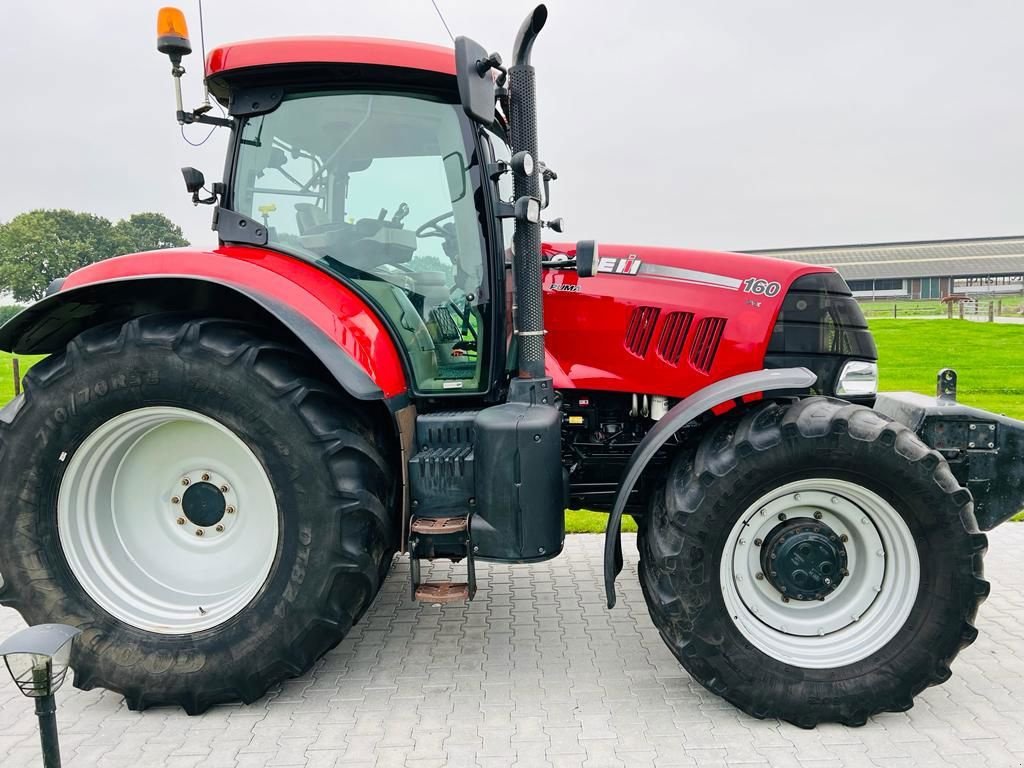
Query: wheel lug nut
x=817 y=515
x=760 y=576
x=200 y=532
x=757 y=542
x=230 y=510
x=206 y=476
x=844 y=538
x=185 y=481
x=785 y=599
x=220 y=529
x=224 y=489
x=175 y=500
x=180 y=521
x=782 y=515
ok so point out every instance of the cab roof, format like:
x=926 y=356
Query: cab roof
x=330 y=50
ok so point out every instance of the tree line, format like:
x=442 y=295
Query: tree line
x=40 y=246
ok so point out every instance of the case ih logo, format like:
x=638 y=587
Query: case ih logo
x=627 y=266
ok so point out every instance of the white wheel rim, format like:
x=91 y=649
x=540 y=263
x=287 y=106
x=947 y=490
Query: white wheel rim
x=862 y=614
x=126 y=536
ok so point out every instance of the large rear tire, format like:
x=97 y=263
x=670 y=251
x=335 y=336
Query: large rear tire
x=813 y=562
x=200 y=500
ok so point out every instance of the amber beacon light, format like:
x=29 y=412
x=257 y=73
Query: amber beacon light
x=172 y=33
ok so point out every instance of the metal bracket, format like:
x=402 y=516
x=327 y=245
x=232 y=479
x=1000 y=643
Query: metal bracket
x=246 y=102
x=237 y=228
x=945 y=386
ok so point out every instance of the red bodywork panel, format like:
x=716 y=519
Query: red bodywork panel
x=620 y=331
x=333 y=308
x=330 y=50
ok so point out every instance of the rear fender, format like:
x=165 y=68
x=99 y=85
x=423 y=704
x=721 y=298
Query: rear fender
x=48 y=325
x=685 y=411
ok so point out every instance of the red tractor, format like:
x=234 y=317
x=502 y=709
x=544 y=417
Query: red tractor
x=213 y=470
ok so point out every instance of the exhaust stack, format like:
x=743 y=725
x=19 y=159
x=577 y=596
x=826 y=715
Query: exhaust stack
x=526 y=239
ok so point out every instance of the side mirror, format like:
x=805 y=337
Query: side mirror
x=476 y=85
x=586 y=258
x=194 y=179
x=455 y=171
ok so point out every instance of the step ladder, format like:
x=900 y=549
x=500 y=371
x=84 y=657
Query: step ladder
x=421 y=547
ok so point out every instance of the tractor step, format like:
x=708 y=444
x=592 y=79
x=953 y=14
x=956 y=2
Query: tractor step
x=441 y=592
x=437 y=526
x=448 y=538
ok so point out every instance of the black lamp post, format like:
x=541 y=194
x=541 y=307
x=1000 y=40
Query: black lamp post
x=37 y=659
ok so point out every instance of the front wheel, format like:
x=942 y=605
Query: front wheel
x=813 y=562
x=200 y=500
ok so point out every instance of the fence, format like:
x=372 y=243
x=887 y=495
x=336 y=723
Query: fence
x=13 y=375
x=982 y=310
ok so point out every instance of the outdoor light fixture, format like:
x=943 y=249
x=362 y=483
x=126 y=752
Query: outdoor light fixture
x=37 y=659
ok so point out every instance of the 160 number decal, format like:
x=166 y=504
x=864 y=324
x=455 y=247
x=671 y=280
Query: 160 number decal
x=761 y=287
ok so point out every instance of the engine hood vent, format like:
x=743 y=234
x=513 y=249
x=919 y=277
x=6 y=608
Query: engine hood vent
x=673 y=336
x=706 y=338
x=640 y=330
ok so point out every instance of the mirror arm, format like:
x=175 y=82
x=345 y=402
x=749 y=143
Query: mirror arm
x=496 y=169
x=218 y=190
x=187 y=118
x=547 y=176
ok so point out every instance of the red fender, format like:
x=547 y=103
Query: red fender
x=336 y=310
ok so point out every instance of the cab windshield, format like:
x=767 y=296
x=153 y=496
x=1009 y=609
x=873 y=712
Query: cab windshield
x=376 y=188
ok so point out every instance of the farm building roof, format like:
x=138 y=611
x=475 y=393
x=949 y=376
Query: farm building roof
x=980 y=257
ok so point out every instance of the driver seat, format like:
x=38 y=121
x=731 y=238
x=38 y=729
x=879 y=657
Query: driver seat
x=310 y=217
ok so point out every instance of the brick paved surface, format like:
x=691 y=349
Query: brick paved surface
x=535 y=672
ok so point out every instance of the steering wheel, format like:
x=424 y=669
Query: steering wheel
x=431 y=228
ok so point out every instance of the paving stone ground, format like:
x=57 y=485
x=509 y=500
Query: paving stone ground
x=536 y=672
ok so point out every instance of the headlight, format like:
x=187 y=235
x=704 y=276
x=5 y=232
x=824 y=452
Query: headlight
x=857 y=379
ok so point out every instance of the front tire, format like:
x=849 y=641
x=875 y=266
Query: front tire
x=813 y=562
x=200 y=500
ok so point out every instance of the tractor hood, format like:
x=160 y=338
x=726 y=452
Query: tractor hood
x=664 y=321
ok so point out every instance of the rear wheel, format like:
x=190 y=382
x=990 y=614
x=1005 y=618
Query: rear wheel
x=813 y=562
x=197 y=498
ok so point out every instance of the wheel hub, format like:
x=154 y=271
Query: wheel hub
x=804 y=559
x=203 y=504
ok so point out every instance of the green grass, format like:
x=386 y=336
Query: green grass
x=987 y=357
x=582 y=521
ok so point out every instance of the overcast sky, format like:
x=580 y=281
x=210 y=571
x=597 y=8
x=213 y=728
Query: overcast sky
x=726 y=124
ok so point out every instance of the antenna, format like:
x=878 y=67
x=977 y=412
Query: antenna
x=433 y=2
x=206 y=106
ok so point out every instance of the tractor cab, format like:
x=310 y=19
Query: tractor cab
x=375 y=174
